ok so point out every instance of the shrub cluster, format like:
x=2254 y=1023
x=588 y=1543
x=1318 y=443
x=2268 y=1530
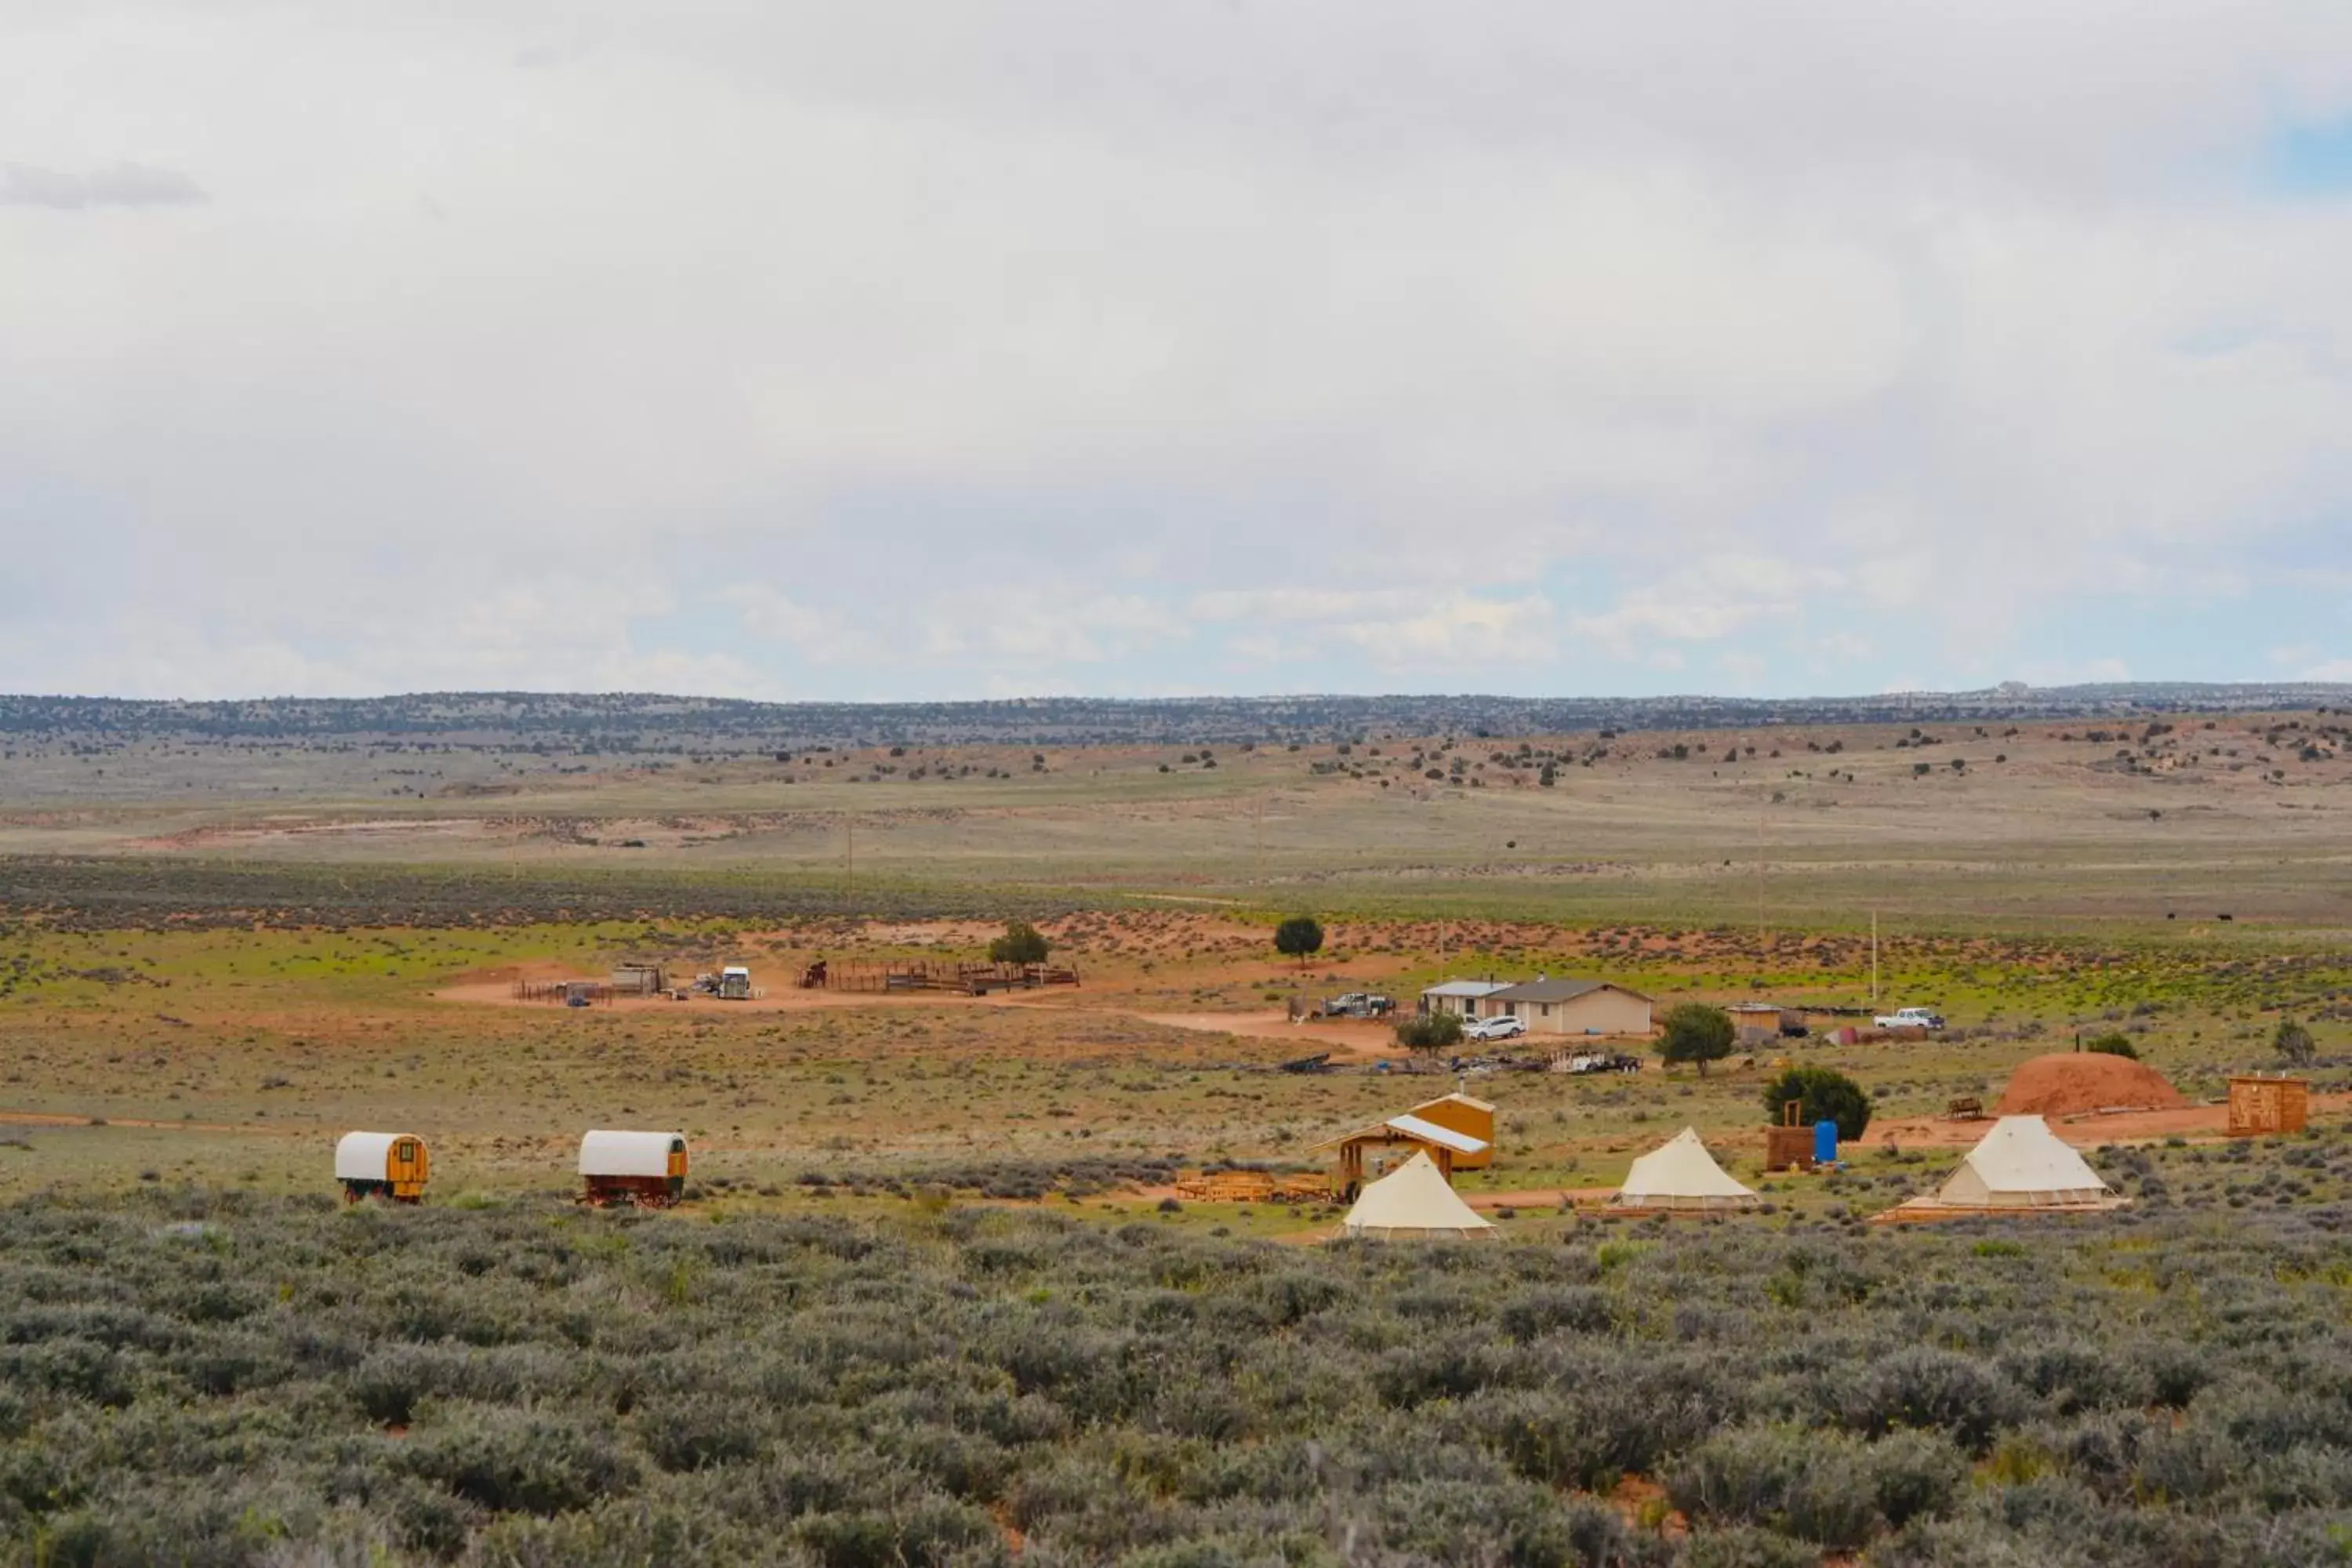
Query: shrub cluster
x=228 y=1380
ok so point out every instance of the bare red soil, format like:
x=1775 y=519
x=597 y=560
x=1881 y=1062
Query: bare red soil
x=2071 y=1083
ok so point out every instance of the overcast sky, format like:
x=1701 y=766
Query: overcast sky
x=995 y=347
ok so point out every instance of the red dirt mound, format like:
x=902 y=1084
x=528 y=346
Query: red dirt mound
x=2071 y=1083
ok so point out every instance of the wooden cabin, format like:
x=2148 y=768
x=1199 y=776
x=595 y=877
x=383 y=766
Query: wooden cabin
x=1761 y=1023
x=1461 y=1113
x=645 y=1170
x=1370 y=1152
x=391 y=1165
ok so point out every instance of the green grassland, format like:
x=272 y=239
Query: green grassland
x=241 y=1055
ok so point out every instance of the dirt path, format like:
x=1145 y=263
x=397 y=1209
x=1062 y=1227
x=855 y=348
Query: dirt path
x=2088 y=1131
x=501 y=993
x=53 y=1118
x=1365 y=1041
x=1537 y=1197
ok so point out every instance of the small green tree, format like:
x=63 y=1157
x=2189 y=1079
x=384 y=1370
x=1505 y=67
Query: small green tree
x=2115 y=1043
x=1822 y=1094
x=1299 y=937
x=1021 y=943
x=2293 y=1044
x=1696 y=1032
x=1425 y=1033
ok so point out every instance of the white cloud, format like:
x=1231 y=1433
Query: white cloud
x=1383 y=629
x=120 y=185
x=1034 y=629
x=877 y=350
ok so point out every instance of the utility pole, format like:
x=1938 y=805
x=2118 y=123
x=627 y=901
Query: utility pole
x=849 y=860
x=1762 y=942
x=1873 y=960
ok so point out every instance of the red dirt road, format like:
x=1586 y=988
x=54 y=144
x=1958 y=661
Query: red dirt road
x=1362 y=1041
x=2087 y=1132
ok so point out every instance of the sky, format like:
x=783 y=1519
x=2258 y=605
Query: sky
x=791 y=349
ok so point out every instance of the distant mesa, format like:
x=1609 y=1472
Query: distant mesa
x=622 y=724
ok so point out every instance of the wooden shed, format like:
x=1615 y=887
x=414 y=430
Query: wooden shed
x=381 y=1165
x=2265 y=1105
x=1759 y=1023
x=639 y=979
x=644 y=1168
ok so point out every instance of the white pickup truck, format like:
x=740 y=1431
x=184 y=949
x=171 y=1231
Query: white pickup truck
x=1910 y=1019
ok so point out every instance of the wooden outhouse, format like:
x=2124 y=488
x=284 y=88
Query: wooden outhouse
x=2265 y=1105
x=381 y=1165
x=644 y=1168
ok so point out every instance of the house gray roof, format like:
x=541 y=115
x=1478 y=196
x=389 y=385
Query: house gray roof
x=1544 y=990
x=1472 y=988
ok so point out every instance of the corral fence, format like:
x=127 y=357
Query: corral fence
x=964 y=976
x=561 y=993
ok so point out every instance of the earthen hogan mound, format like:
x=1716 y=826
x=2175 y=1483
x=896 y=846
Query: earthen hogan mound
x=2071 y=1083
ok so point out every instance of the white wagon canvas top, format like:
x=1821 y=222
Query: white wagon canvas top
x=1413 y=1200
x=365 y=1156
x=1681 y=1174
x=610 y=1154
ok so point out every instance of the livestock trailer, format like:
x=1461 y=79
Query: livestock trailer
x=644 y=1168
x=381 y=1165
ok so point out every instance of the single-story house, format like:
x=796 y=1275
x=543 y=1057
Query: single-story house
x=1572 y=1007
x=1460 y=997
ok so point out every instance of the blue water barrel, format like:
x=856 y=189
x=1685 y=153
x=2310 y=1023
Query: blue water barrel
x=1825 y=1142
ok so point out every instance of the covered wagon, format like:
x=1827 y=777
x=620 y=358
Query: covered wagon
x=381 y=1165
x=646 y=1169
